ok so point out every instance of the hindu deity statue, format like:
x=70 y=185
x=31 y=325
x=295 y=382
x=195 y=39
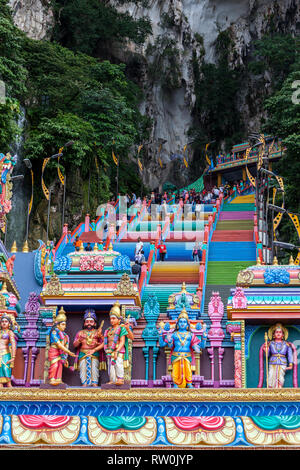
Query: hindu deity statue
x=279 y=355
x=183 y=344
x=58 y=351
x=89 y=343
x=8 y=350
x=116 y=345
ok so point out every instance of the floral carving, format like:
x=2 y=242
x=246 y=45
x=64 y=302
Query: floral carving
x=92 y=263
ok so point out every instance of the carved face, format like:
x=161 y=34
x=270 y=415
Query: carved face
x=182 y=324
x=278 y=334
x=62 y=326
x=4 y=324
x=89 y=324
x=114 y=321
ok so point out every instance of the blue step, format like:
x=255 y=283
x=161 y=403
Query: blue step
x=232 y=251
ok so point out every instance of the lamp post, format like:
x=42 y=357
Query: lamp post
x=29 y=166
x=47 y=192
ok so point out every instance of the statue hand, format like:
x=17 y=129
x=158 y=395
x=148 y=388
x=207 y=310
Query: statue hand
x=72 y=354
x=289 y=367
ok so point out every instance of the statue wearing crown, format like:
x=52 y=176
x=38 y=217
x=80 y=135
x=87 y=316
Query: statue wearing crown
x=116 y=345
x=58 y=351
x=280 y=357
x=90 y=355
x=183 y=344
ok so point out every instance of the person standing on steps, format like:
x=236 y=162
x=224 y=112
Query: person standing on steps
x=162 y=251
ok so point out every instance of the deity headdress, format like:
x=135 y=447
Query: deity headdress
x=183 y=314
x=90 y=313
x=273 y=328
x=61 y=316
x=116 y=311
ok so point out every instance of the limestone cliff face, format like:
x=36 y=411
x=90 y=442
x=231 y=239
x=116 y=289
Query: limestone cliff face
x=34 y=17
x=183 y=29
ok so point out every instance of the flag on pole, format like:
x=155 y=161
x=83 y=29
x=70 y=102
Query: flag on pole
x=160 y=162
x=140 y=165
x=140 y=148
x=206 y=156
x=115 y=159
x=44 y=187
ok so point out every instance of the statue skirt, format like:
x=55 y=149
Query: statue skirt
x=181 y=370
x=5 y=370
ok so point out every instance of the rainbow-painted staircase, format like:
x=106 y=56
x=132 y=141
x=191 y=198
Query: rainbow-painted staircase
x=232 y=247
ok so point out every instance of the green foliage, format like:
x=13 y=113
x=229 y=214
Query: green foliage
x=8 y=123
x=83 y=25
x=44 y=140
x=73 y=96
x=283 y=120
x=216 y=87
x=12 y=71
x=164 y=62
x=275 y=53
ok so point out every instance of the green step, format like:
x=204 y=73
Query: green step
x=163 y=292
x=238 y=207
x=225 y=272
x=235 y=225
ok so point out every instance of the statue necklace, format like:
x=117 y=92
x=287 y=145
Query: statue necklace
x=182 y=337
x=89 y=337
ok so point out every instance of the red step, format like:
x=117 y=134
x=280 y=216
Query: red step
x=232 y=236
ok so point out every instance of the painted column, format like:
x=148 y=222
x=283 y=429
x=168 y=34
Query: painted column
x=216 y=333
x=30 y=336
x=234 y=328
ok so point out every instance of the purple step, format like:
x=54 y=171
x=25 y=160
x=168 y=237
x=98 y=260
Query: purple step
x=247 y=215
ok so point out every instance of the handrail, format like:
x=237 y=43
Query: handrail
x=257 y=241
x=208 y=231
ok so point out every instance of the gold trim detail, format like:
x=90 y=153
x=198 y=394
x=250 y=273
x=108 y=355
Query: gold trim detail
x=152 y=395
x=125 y=287
x=53 y=287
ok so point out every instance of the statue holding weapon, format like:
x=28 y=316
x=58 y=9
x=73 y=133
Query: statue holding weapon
x=280 y=357
x=89 y=343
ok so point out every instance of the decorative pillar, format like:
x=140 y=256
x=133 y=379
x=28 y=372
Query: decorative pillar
x=219 y=175
x=167 y=352
x=221 y=355
x=235 y=330
x=30 y=336
x=216 y=333
x=150 y=333
x=87 y=223
x=212 y=363
x=197 y=360
x=155 y=354
x=146 y=354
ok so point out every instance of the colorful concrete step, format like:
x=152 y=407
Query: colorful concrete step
x=232 y=236
x=238 y=207
x=163 y=292
x=225 y=273
x=249 y=198
x=237 y=215
x=232 y=251
x=174 y=273
x=235 y=225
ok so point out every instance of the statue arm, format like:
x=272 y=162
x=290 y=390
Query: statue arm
x=78 y=340
x=121 y=344
x=66 y=350
x=13 y=348
x=290 y=357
